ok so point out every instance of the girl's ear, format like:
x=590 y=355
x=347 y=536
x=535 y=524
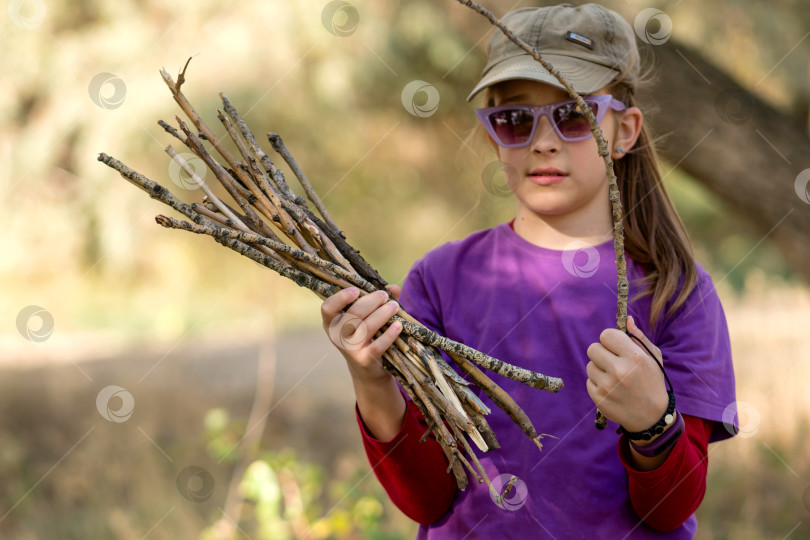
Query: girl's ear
x=628 y=129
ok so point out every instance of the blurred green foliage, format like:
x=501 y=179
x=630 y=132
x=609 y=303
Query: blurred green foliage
x=284 y=497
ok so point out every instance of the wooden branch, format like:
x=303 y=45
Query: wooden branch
x=452 y=398
x=196 y=146
x=171 y=130
x=252 y=238
x=199 y=182
x=499 y=397
x=155 y=190
x=278 y=146
x=357 y=261
x=527 y=377
x=285 y=223
x=485 y=430
x=446 y=369
x=212 y=214
x=417 y=395
x=453 y=410
x=271 y=200
x=300 y=278
x=267 y=163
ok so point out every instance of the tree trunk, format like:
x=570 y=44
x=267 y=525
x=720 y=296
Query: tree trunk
x=741 y=148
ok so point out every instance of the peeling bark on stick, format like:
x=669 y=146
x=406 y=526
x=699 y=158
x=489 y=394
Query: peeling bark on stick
x=527 y=377
x=252 y=238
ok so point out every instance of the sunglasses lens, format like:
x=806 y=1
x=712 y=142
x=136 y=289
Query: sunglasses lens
x=512 y=126
x=571 y=122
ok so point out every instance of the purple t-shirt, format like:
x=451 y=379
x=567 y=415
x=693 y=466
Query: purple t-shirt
x=540 y=308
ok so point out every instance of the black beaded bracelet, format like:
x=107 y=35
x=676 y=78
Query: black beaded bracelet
x=657 y=428
x=662 y=443
x=666 y=419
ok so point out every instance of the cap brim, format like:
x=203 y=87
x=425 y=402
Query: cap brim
x=584 y=77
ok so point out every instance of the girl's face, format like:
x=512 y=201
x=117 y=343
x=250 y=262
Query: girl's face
x=574 y=184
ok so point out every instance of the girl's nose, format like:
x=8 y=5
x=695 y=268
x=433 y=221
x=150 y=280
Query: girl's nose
x=545 y=138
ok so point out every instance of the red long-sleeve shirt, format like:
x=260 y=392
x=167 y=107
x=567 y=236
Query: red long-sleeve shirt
x=413 y=473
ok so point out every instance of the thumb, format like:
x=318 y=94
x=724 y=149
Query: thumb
x=634 y=329
x=394 y=291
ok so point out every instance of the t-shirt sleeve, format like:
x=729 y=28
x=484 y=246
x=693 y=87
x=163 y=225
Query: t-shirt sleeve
x=696 y=350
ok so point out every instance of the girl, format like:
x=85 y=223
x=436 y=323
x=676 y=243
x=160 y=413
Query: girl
x=540 y=292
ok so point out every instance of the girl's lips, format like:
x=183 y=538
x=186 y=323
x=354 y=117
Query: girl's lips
x=546 y=179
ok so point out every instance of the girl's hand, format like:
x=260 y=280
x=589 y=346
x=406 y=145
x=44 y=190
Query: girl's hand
x=352 y=331
x=624 y=381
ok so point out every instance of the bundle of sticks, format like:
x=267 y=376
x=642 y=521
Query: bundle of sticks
x=313 y=252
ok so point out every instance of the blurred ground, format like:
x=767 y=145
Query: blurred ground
x=73 y=474
x=116 y=480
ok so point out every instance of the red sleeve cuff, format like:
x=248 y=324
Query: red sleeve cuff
x=406 y=425
x=665 y=497
x=414 y=474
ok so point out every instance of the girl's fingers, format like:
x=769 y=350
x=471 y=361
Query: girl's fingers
x=354 y=328
x=633 y=329
x=595 y=374
x=335 y=303
x=617 y=342
x=593 y=392
x=601 y=356
x=365 y=305
x=381 y=315
x=349 y=332
x=382 y=343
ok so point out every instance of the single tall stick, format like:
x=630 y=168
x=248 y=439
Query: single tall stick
x=615 y=199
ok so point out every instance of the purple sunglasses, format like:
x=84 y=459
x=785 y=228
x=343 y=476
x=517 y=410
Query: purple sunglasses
x=513 y=126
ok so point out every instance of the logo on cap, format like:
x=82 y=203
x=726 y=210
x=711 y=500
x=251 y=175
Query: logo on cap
x=577 y=38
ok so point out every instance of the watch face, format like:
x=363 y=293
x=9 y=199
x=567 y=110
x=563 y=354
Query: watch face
x=669 y=419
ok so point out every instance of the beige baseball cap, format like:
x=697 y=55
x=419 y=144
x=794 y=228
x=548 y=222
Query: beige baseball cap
x=589 y=44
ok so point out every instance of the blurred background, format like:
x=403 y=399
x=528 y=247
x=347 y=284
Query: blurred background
x=154 y=385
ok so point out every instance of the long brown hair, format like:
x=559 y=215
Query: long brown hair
x=654 y=235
